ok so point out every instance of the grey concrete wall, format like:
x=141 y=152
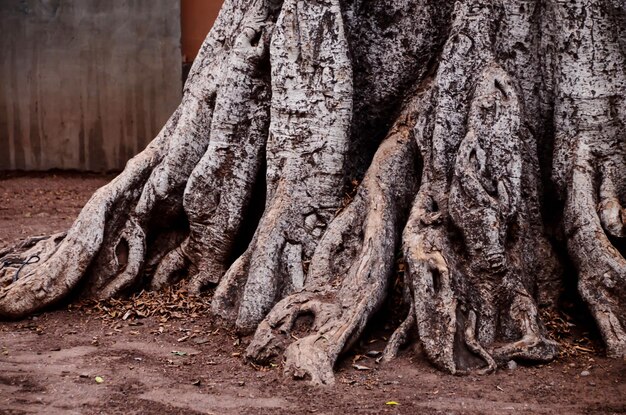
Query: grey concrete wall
x=85 y=84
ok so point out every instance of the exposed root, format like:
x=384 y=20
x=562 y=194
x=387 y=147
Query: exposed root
x=163 y=192
x=130 y=251
x=119 y=264
x=429 y=281
x=107 y=244
x=169 y=269
x=274 y=84
x=311 y=112
x=220 y=186
x=57 y=273
x=471 y=341
x=345 y=287
x=16 y=259
x=602 y=268
x=399 y=337
x=217 y=105
x=590 y=160
x=611 y=212
x=470 y=288
x=17 y=249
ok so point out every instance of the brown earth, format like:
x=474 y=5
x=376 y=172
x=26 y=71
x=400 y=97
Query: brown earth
x=176 y=362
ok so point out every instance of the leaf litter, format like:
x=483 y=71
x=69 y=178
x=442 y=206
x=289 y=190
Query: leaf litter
x=172 y=303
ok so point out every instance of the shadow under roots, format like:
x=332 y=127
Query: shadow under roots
x=371 y=345
x=162 y=238
x=619 y=244
x=382 y=325
x=252 y=216
x=571 y=307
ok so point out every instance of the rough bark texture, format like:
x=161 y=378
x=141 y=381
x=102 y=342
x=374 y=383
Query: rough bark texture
x=590 y=155
x=451 y=118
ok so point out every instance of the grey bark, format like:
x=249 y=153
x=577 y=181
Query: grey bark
x=590 y=156
x=453 y=118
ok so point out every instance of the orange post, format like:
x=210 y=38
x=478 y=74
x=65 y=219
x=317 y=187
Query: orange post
x=197 y=17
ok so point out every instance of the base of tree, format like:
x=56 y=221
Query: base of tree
x=294 y=93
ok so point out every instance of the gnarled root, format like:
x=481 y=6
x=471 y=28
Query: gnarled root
x=469 y=276
x=64 y=263
x=220 y=186
x=590 y=161
x=25 y=253
x=214 y=159
x=601 y=266
x=350 y=270
x=311 y=111
x=109 y=244
x=400 y=336
x=274 y=84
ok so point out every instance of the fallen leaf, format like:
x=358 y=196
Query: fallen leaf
x=392 y=403
x=99 y=379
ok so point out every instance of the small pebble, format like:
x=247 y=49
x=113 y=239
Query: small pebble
x=585 y=373
x=512 y=365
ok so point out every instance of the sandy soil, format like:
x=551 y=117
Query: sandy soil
x=49 y=363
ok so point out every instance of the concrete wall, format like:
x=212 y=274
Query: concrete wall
x=85 y=84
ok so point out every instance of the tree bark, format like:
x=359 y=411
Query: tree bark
x=455 y=120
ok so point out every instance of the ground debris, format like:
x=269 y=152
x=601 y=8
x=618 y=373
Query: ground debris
x=170 y=303
x=572 y=342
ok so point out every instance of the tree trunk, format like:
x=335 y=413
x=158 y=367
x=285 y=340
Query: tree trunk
x=453 y=119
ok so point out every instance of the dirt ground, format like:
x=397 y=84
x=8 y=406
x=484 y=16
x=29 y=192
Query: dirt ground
x=83 y=361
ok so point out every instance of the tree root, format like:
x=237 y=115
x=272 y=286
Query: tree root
x=220 y=186
x=399 y=337
x=29 y=251
x=455 y=184
x=311 y=112
x=601 y=267
x=471 y=291
x=64 y=262
x=107 y=246
x=349 y=272
x=590 y=160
